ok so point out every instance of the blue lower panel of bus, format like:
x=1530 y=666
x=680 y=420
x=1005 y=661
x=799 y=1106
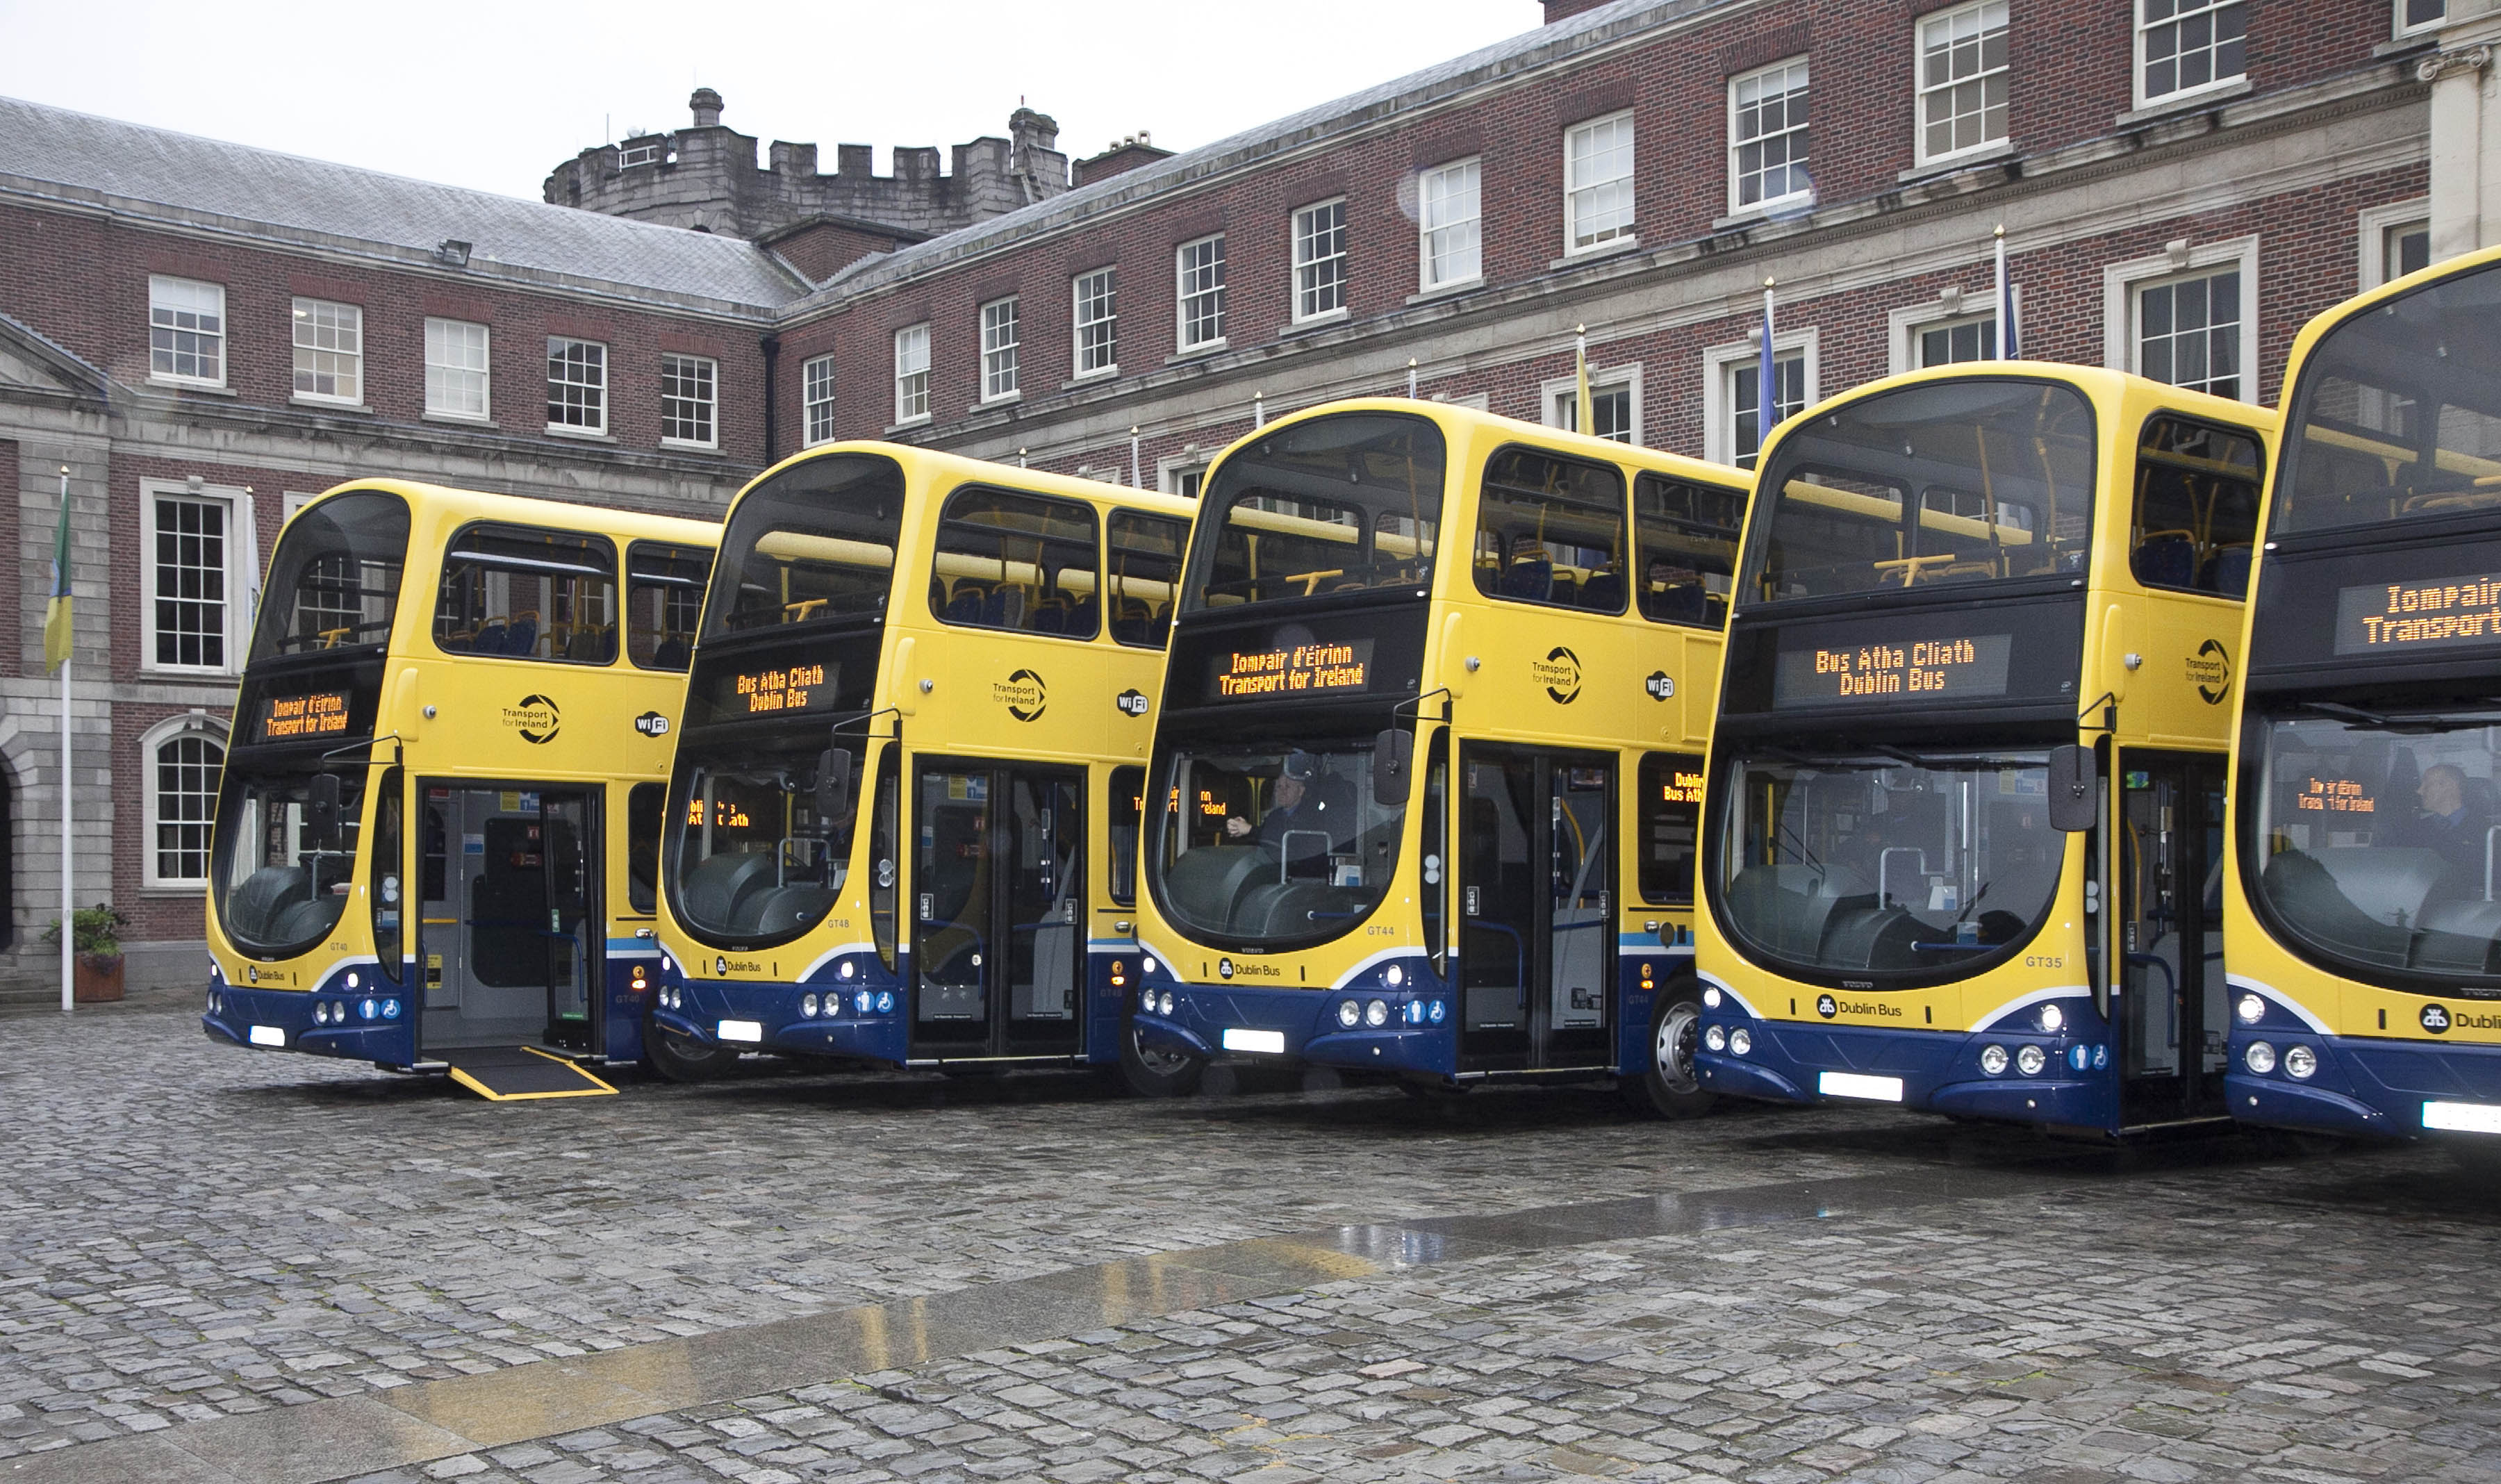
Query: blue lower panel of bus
x=866 y=1016
x=2360 y=1086
x=1937 y=1072
x=333 y=1021
x=1304 y=1025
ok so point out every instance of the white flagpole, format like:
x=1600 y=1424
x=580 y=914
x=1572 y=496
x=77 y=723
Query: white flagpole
x=2002 y=303
x=69 y=912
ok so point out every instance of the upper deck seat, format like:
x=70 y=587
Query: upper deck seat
x=965 y=607
x=1604 y=591
x=1085 y=617
x=670 y=654
x=522 y=637
x=1678 y=603
x=2167 y=559
x=1531 y=578
x=1005 y=607
x=2228 y=571
x=1132 y=621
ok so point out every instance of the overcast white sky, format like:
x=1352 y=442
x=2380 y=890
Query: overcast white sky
x=494 y=95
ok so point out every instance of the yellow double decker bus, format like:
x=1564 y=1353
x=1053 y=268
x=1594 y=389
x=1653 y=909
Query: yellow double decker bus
x=902 y=823
x=1427 y=774
x=1967 y=783
x=437 y=835
x=2364 y=936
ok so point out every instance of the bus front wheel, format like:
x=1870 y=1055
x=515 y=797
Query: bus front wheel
x=1667 y=1085
x=1152 y=1071
x=680 y=1059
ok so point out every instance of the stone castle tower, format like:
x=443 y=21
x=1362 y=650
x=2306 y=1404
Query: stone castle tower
x=704 y=177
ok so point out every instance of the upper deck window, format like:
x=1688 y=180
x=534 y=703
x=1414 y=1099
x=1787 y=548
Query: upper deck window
x=2197 y=506
x=1145 y=576
x=1551 y=530
x=1328 y=505
x=524 y=593
x=814 y=542
x=1936 y=484
x=1017 y=561
x=334 y=582
x=664 y=590
x=2397 y=415
x=1687 y=535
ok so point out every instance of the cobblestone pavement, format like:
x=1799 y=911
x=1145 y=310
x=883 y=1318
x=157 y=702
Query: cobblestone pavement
x=196 y=1232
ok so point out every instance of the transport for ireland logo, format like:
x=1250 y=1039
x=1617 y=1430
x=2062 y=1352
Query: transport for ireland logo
x=2210 y=670
x=1021 y=693
x=535 y=717
x=1559 y=672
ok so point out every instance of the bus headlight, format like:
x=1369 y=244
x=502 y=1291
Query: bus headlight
x=846 y=969
x=1393 y=976
x=1711 y=998
x=1716 y=1038
x=321 y=1013
x=1164 y=1003
x=1376 y=1014
x=1348 y=1013
x=353 y=981
x=1146 y=965
x=2030 y=1060
x=2300 y=1062
x=808 y=1006
x=1741 y=1041
x=2259 y=1057
x=2052 y=1018
x=1992 y=1061
x=2253 y=1009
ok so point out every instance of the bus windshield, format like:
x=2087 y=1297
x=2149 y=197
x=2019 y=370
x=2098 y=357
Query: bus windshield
x=1925 y=485
x=812 y=544
x=280 y=888
x=1334 y=504
x=1268 y=845
x=334 y=582
x=2372 y=836
x=761 y=851
x=2397 y=415
x=1885 y=860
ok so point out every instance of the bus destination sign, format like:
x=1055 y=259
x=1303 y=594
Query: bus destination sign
x=782 y=689
x=2406 y=618
x=1318 y=667
x=1825 y=668
x=289 y=718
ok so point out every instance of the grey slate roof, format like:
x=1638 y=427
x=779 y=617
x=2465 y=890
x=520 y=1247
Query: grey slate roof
x=1527 y=52
x=122 y=162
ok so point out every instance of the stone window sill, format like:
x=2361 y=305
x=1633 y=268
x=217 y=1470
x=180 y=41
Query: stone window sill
x=577 y=434
x=1198 y=351
x=459 y=419
x=2186 y=103
x=204 y=388
x=328 y=404
x=1447 y=291
x=1613 y=246
x=1763 y=211
x=1982 y=155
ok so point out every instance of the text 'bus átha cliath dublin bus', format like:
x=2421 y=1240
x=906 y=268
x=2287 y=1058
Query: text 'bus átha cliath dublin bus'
x=2365 y=924
x=903 y=822
x=437 y=835
x=1427 y=775
x=1966 y=790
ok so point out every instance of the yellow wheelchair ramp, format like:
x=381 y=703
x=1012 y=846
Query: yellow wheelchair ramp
x=521 y=1073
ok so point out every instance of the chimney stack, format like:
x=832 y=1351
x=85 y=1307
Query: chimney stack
x=707 y=106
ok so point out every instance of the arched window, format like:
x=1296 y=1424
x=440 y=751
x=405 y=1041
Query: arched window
x=184 y=760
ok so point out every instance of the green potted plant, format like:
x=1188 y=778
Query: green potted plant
x=97 y=942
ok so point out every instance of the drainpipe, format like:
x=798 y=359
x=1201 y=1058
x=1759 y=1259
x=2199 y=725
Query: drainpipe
x=772 y=347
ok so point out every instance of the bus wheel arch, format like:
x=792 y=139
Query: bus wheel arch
x=1155 y=1071
x=1667 y=1086
x=678 y=1059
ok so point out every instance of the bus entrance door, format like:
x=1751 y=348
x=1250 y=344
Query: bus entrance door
x=1537 y=943
x=510 y=936
x=998 y=879
x=2172 y=1025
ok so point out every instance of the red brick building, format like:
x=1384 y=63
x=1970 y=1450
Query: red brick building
x=2182 y=184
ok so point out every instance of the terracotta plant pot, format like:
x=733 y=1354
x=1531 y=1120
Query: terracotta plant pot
x=98 y=979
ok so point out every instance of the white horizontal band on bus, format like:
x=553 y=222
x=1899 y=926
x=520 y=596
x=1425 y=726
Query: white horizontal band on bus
x=1859 y=1085
x=1237 y=1039
x=2462 y=1117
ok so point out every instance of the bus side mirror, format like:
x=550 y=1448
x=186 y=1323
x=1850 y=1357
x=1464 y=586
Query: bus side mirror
x=2071 y=787
x=1394 y=758
x=833 y=785
x=321 y=812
